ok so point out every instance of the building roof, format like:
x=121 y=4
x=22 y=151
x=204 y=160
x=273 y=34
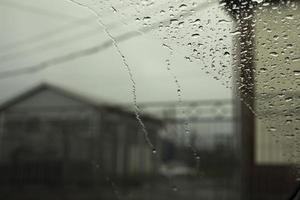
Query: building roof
x=97 y=104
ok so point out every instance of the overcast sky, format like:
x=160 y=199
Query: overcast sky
x=101 y=75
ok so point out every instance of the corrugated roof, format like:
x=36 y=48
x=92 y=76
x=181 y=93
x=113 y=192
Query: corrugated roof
x=71 y=94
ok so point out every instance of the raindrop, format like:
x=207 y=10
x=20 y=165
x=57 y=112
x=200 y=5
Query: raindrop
x=188 y=58
x=288 y=99
x=295 y=59
x=196 y=21
x=289 y=17
x=162 y=12
x=172 y=21
x=154 y=151
x=276 y=37
x=289 y=135
x=114 y=9
x=226 y=53
x=147 y=19
x=183 y=7
x=263 y=69
x=195 y=35
x=257 y=1
x=297 y=72
x=180 y=24
x=174 y=188
x=237 y=32
x=274 y=54
x=223 y=21
x=269 y=30
x=288 y=121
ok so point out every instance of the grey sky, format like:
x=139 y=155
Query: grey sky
x=101 y=75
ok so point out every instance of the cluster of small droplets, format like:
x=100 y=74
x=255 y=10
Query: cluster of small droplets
x=269 y=44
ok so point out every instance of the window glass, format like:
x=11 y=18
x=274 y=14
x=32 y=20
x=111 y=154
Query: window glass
x=147 y=99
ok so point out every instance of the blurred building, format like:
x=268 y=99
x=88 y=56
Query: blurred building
x=268 y=85
x=52 y=136
x=276 y=141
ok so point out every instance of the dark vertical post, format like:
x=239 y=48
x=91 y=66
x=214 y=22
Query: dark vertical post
x=63 y=125
x=243 y=13
x=2 y=122
x=247 y=92
x=95 y=132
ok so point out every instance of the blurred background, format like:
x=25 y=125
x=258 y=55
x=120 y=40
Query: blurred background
x=149 y=100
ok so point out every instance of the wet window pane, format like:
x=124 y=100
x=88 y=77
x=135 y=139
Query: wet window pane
x=145 y=99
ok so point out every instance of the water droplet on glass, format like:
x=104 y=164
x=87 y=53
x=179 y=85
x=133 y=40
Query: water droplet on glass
x=288 y=121
x=162 y=12
x=196 y=21
x=289 y=17
x=172 y=21
x=226 y=53
x=290 y=136
x=174 y=188
x=195 y=35
x=297 y=72
x=276 y=37
x=274 y=54
x=223 y=21
x=154 y=151
x=237 y=32
x=263 y=69
x=147 y=19
x=183 y=7
x=114 y=9
x=180 y=24
x=288 y=99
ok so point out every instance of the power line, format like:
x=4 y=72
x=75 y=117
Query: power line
x=65 y=58
x=54 y=44
x=58 y=43
x=42 y=36
x=50 y=45
x=36 y=10
x=88 y=51
x=51 y=33
x=45 y=35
